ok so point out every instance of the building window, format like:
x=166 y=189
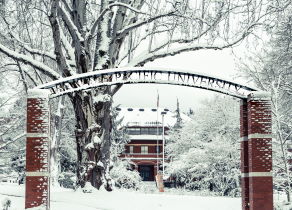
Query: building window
x=131 y=149
x=144 y=131
x=144 y=149
x=155 y=131
x=133 y=131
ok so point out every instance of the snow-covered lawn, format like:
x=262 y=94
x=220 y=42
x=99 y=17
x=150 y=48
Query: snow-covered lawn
x=62 y=199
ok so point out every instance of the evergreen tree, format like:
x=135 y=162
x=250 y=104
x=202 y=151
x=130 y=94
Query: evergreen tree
x=178 y=123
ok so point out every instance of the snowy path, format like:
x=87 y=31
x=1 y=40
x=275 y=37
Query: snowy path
x=121 y=200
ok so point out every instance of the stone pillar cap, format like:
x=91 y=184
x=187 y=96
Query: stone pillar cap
x=259 y=95
x=38 y=93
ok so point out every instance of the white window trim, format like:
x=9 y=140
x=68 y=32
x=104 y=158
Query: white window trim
x=144 y=150
x=131 y=148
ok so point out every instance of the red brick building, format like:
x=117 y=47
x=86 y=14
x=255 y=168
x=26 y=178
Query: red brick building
x=145 y=128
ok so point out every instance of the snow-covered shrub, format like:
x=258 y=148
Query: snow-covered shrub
x=67 y=180
x=121 y=174
x=124 y=177
x=283 y=206
x=204 y=153
x=6 y=203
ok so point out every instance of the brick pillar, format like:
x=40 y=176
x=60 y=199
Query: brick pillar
x=244 y=155
x=260 y=151
x=37 y=189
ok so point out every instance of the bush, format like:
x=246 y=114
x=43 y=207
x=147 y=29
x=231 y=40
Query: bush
x=6 y=203
x=283 y=206
x=125 y=178
x=67 y=180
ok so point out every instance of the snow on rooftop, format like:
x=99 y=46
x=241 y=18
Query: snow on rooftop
x=148 y=116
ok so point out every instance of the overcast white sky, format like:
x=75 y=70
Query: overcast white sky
x=220 y=63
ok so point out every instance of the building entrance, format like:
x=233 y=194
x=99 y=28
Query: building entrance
x=146 y=172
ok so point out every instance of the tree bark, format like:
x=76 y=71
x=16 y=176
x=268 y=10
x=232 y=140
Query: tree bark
x=93 y=137
x=54 y=158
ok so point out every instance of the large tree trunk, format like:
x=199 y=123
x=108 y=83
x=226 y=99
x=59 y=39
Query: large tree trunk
x=92 y=110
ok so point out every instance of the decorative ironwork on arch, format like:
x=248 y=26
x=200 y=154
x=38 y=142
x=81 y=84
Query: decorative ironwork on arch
x=138 y=75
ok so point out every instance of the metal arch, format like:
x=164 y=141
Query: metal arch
x=139 y=75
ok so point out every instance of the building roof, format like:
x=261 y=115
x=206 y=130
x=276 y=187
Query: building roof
x=147 y=117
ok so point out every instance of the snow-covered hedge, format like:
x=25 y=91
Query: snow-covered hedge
x=125 y=178
x=67 y=180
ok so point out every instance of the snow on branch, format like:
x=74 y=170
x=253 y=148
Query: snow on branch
x=2 y=146
x=151 y=56
x=188 y=40
x=29 y=49
x=56 y=29
x=125 y=55
x=67 y=6
x=5 y=103
x=38 y=52
x=99 y=18
x=30 y=61
x=130 y=27
x=141 y=60
x=68 y=47
x=73 y=30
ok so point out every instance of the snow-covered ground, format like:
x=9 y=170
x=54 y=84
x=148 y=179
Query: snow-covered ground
x=62 y=199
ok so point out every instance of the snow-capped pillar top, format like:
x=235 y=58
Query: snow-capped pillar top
x=38 y=93
x=259 y=95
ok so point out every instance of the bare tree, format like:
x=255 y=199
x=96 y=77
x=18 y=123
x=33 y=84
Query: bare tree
x=48 y=40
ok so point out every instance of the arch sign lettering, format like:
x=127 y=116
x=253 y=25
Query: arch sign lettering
x=255 y=127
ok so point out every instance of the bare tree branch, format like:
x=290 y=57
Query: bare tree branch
x=99 y=18
x=2 y=146
x=133 y=26
x=67 y=6
x=73 y=30
x=69 y=49
x=139 y=42
x=22 y=76
x=61 y=60
x=140 y=61
x=30 y=61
